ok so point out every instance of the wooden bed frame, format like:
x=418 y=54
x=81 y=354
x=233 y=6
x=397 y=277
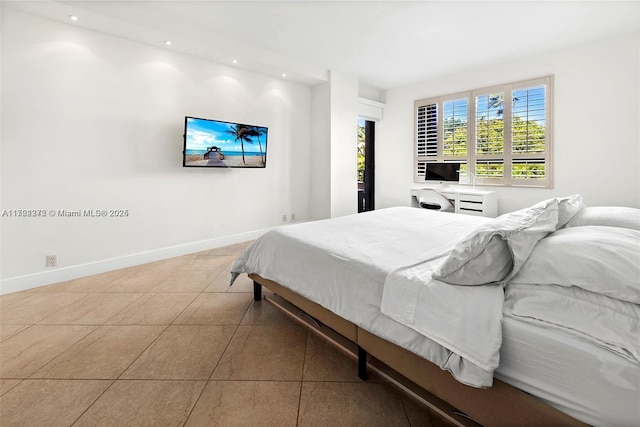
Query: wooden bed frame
x=462 y=405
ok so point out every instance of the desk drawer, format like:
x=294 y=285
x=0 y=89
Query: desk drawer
x=471 y=204
x=472 y=198
x=471 y=212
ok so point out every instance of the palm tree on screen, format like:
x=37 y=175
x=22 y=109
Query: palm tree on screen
x=258 y=132
x=241 y=133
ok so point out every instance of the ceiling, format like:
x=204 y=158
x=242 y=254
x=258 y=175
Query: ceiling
x=385 y=44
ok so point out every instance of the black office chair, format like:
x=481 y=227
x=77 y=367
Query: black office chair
x=432 y=199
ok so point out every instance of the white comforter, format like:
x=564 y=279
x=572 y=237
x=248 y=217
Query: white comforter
x=345 y=263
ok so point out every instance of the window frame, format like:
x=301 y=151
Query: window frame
x=507 y=157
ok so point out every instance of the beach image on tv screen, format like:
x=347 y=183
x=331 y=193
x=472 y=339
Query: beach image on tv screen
x=212 y=143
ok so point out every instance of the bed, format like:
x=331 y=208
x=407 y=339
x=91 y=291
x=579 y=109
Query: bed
x=501 y=319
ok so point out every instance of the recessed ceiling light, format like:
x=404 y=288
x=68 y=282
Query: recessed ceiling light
x=168 y=42
x=235 y=61
x=284 y=74
x=73 y=17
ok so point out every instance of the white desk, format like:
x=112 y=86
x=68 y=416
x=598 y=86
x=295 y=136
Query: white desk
x=465 y=201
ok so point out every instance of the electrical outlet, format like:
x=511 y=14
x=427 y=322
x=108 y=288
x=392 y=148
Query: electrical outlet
x=284 y=218
x=51 y=261
x=293 y=216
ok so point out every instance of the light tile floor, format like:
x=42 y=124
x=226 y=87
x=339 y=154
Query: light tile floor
x=170 y=343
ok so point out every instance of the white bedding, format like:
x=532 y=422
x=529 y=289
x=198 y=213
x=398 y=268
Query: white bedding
x=464 y=319
x=318 y=259
x=593 y=317
x=575 y=376
x=465 y=313
x=605 y=322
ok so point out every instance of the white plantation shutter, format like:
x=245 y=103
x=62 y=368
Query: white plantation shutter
x=427 y=130
x=421 y=169
x=455 y=118
x=489 y=129
x=489 y=136
x=529 y=108
x=432 y=135
x=426 y=138
x=502 y=134
x=528 y=169
x=531 y=133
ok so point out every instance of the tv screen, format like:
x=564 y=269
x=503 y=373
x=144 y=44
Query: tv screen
x=218 y=144
x=442 y=172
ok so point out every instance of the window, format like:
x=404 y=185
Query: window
x=501 y=135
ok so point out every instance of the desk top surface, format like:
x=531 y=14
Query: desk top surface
x=451 y=189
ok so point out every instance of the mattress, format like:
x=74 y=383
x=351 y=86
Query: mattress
x=602 y=390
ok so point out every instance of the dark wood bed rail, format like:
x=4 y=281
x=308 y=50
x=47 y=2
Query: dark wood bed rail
x=499 y=405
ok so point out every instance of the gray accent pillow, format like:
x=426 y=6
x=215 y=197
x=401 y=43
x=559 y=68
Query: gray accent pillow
x=497 y=249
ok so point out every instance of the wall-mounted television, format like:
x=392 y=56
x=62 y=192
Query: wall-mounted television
x=217 y=144
x=443 y=172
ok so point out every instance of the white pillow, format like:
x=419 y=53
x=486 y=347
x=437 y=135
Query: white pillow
x=568 y=207
x=497 y=249
x=600 y=259
x=611 y=216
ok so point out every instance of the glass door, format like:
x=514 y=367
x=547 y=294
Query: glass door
x=366 y=158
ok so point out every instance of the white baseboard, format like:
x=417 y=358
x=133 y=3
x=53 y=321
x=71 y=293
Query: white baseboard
x=30 y=281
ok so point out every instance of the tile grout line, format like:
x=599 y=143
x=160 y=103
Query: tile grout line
x=93 y=403
x=65 y=349
x=96 y=327
x=304 y=362
x=87 y=295
x=219 y=359
x=134 y=360
x=120 y=375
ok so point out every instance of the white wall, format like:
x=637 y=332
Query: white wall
x=596 y=107
x=91 y=121
x=334 y=178
x=321 y=151
x=344 y=137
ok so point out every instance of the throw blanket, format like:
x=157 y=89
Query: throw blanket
x=465 y=319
